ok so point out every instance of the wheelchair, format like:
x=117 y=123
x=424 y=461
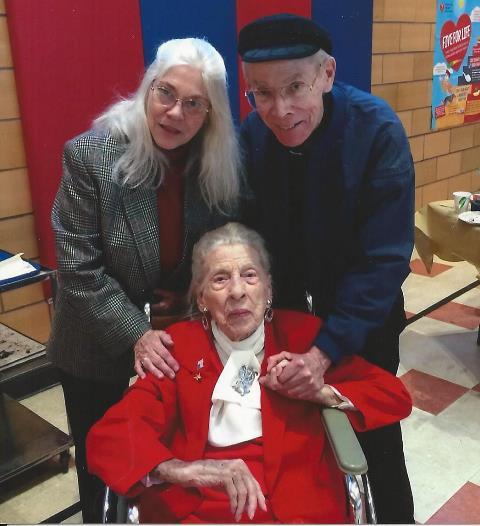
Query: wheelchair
x=348 y=455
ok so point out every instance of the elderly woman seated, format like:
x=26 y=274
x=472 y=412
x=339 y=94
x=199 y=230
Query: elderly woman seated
x=215 y=444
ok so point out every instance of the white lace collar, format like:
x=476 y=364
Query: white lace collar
x=235 y=413
x=255 y=342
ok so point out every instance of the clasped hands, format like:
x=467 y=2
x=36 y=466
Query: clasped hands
x=300 y=376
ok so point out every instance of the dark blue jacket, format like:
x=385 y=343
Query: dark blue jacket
x=358 y=218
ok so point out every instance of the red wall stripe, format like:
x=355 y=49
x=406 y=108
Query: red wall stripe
x=248 y=10
x=72 y=58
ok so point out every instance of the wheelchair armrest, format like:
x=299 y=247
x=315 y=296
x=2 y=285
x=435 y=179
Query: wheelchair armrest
x=344 y=442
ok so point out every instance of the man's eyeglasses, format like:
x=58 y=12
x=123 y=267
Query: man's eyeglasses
x=293 y=92
x=192 y=106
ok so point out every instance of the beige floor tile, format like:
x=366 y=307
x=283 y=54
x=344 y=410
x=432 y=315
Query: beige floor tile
x=442 y=453
x=50 y=405
x=471 y=298
x=422 y=291
x=74 y=519
x=441 y=349
x=476 y=478
x=46 y=493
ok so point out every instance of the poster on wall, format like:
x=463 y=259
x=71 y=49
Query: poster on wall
x=456 y=70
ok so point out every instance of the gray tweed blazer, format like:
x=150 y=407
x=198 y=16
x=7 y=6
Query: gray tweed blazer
x=108 y=253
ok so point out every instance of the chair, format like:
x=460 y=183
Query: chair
x=117 y=509
x=350 y=460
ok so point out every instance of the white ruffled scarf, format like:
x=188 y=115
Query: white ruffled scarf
x=235 y=418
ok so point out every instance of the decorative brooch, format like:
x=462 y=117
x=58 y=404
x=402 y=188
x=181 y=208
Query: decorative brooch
x=244 y=380
x=198 y=376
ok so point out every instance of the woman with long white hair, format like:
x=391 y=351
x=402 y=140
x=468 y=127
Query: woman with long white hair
x=153 y=174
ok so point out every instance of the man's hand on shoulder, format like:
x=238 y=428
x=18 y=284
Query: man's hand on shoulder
x=297 y=376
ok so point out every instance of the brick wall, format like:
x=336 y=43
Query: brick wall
x=24 y=309
x=402 y=61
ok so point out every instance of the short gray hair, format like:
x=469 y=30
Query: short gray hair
x=228 y=234
x=215 y=148
x=320 y=57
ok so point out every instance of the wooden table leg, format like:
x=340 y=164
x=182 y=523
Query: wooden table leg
x=65 y=460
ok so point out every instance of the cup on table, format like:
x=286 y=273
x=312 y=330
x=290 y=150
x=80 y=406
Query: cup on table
x=461 y=201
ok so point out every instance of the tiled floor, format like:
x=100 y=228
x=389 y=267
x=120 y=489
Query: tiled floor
x=440 y=365
x=43 y=491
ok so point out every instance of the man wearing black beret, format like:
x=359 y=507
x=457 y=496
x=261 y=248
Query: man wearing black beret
x=332 y=180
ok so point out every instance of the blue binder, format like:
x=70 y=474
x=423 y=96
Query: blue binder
x=23 y=278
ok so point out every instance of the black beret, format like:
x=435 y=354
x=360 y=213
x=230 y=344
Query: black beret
x=281 y=36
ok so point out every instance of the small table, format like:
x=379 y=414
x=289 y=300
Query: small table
x=439 y=231
x=26 y=440
x=22 y=373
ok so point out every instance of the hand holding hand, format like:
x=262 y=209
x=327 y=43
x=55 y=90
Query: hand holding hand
x=152 y=354
x=231 y=476
x=297 y=376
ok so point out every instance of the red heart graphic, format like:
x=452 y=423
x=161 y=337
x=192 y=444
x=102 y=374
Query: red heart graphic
x=454 y=40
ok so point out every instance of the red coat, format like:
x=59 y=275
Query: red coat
x=162 y=419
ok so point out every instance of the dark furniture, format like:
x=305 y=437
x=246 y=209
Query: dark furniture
x=24 y=375
x=27 y=440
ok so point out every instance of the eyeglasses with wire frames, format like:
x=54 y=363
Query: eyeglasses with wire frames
x=293 y=92
x=191 y=106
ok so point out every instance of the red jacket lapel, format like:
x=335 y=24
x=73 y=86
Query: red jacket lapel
x=273 y=417
x=200 y=368
x=288 y=332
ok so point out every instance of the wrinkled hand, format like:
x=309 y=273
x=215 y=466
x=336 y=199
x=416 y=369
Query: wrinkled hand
x=152 y=354
x=327 y=397
x=297 y=376
x=231 y=476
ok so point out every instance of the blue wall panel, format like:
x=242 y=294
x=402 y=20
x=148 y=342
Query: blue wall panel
x=214 y=20
x=349 y=23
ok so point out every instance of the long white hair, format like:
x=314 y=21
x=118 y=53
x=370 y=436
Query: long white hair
x=215 y=148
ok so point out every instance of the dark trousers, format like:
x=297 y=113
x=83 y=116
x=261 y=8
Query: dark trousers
x=392 y=494
x=86 y=401
x=383 y=447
